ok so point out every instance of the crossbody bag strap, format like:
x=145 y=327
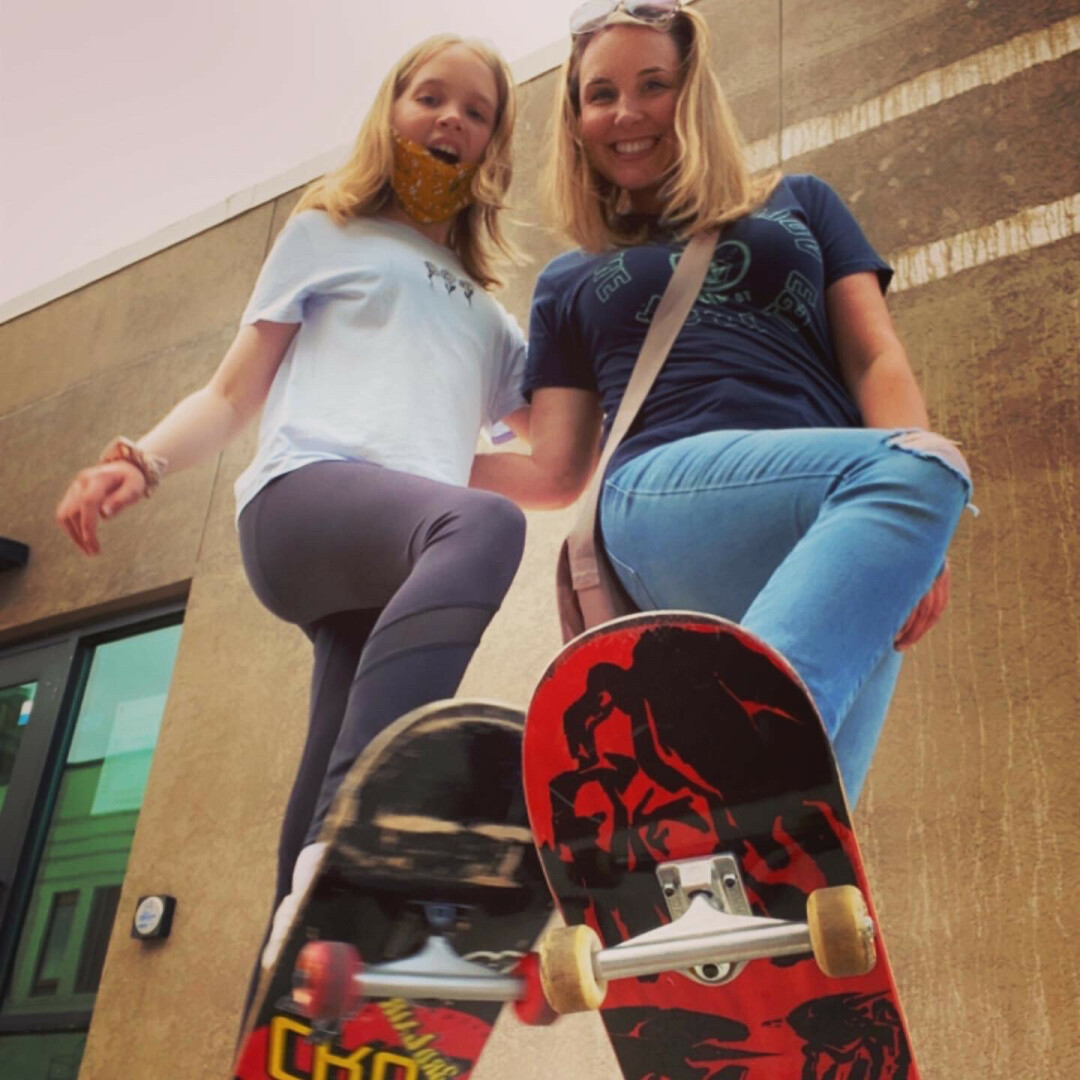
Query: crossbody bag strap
x=671 y=313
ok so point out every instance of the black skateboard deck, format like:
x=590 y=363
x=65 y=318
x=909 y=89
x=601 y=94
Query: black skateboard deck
x=432 y=813
x=675 y=736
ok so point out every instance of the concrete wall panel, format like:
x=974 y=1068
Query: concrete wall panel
x=837 y=54
x=979 y=766
x=746 y=58
x=962 y=164
x=151 y=546
x=526 y=226
x=188 y=292
x=523 y=638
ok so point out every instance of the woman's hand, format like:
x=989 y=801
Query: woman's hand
x=927 y=612
x=100 y=491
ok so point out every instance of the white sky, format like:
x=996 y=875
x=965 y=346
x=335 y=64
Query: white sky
x=121 y=117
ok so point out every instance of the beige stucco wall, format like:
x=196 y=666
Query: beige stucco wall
x=969 y=821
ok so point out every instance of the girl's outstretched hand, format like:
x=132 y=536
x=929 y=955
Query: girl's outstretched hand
x=926 y=613
x=100 y=491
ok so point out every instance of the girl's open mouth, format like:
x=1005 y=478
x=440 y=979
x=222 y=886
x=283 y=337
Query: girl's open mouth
x=444 y=153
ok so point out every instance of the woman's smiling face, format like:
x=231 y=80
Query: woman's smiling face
x=629 y=87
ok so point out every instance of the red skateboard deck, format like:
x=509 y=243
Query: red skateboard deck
x=665 y=737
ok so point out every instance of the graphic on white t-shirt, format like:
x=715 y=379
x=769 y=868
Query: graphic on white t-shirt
x=378 y=370
x=449 y=280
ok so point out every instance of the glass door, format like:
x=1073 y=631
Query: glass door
x=77 y=818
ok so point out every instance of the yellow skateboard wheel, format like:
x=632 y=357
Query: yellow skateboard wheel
x=841 y=931
x=566 y=969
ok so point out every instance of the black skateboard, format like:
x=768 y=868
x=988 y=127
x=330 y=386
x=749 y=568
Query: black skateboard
x=430 y=865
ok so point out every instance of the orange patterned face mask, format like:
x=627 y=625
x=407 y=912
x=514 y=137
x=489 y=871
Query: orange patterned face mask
x=430 y=191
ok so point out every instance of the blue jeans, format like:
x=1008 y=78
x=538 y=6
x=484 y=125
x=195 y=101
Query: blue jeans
x=821 y=541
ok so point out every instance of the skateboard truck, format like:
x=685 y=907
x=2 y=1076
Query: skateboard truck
x=710 y=939
x=331 y=983
x=437 y=971
x=718 y=880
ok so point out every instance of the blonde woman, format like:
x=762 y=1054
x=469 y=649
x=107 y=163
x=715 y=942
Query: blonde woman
x=779 y=473
x=374 y=342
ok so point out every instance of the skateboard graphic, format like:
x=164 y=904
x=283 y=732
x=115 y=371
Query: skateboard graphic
x=693 y=829
x=430 y=868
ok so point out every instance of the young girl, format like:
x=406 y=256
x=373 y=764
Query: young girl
x=380 y=355
x=779 y=473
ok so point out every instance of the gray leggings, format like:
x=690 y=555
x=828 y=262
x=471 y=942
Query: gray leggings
x=394 y=578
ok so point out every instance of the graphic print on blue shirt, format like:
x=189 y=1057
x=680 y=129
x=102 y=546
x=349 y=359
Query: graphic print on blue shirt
x=756 y=350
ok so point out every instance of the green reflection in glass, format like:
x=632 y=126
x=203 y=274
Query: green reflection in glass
x=57 y=939
x=119 y=721
x=41 y=1057
x=16 y=703
x=61 y=949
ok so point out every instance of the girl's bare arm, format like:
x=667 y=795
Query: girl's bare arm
x=198 y=427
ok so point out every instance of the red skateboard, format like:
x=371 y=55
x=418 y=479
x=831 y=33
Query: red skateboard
x=692 y=827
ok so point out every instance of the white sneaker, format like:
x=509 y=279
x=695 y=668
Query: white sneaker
x=307 y=862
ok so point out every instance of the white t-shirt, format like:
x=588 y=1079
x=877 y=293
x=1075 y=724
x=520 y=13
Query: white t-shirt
x=401 y=359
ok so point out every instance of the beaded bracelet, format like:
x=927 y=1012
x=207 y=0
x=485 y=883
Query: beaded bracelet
x=152 y=466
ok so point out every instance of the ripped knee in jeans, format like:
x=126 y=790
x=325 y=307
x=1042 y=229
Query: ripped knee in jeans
x=934 y=447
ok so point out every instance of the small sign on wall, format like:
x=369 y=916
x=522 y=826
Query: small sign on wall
x=153 y=917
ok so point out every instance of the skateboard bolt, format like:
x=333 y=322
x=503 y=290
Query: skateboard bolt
x=730 y=881
x=712 y=973
x=669 y=890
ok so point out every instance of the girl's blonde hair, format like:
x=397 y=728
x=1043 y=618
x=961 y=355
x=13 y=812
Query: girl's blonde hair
x=361 y=187
x=710 y=183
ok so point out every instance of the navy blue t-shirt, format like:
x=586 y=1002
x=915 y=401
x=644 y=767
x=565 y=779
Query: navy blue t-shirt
x=755 y=351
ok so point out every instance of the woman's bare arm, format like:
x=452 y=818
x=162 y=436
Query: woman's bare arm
x=872 y=358
x=563 y=430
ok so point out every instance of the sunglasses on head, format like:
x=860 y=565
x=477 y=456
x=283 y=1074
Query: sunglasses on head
x=593 y=14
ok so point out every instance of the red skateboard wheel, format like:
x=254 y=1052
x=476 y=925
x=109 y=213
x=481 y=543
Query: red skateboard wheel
x=325 y=981
x=533 y=1009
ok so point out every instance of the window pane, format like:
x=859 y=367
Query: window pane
x=15 y=705
x=118 y=722
x=86 y=850
x=55 y=945
x=96 y=939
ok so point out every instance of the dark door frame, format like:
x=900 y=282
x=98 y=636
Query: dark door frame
x=60 y=665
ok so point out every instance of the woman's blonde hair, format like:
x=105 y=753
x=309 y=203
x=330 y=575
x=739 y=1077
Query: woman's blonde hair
x=361 y=187
x=710 y=183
